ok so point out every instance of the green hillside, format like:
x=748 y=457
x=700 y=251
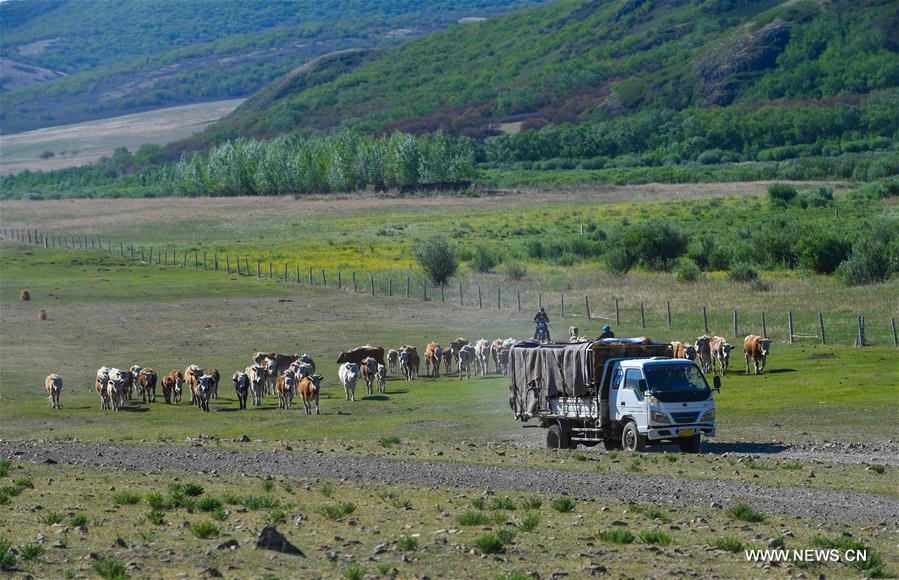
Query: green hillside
x=590 y=61
x=66 y=60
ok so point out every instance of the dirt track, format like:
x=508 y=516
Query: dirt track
x=861 y=507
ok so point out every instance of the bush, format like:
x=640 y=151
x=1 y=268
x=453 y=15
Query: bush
x=563 y=504
x=781 y=194
x=745 y=513
x=7 y=558
x=655 y=537
x=502 y=503
x=687 y=271
x=728 y=544
x=259 y=502
x=617 y=536
x=656 y=245
x=516 y=271
x=79 y=520
x=51 y=518
x=438 y=258
x=208 y=504
x=529 y=523
x=408 y=543
x=4 y=467
x=483 y=260
x=473 y=519
x=188 y=489
x=489 y=544
x=156 y=518
x=204 y=530
x=619 y=261
x=157 y=502
x=354 y=572
x=869 y=262
x=532 y=503
x=388 y=442
x=336 y=512
x=742 y=272
x=31 y=552
x=110 y=569
x=126 y=498
x=822 y=253
x=710 y=157
x=709 y=255
x=219 y=514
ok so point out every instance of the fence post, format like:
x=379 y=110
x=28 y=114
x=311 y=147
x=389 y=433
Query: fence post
x=479 y=297
x=893 y=325
x=821 y=327
x=142 y=257
x=258 y=268
x=408 y=286
x=518 y=295
x=735 y=323
x=587 y=306
x=764 y=326
x=215 y=262
x=860 y=339
x=642 y=316
x=122 y=248
x=324 y=279
x=285 y=271
x=705 y=319
x=269 y=269
x=424 y=291
x=204 y=260
x=228 y=263
x=540 y=300
x=246 y=263
x=298 y=273
x=617 y=314
x=339 y=280
x=371 y=278
x=442 y=293
x=310 y=275
x=668 y=304
x=499 y=297
x=355 y=284
x=461 y=296
x=561 y=305
x=389 y=286
x=790 y=324
x=130 y=252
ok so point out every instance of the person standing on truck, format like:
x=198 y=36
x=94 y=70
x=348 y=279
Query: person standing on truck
x=606 y=332
x=541 y=322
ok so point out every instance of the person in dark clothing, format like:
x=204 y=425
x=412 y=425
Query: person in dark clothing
x=606 y=332
x=541 y=322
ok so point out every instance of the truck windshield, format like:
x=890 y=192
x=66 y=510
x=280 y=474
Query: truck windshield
x=676 y=383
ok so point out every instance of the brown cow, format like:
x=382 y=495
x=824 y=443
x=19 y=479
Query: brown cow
x=146 y=383
x=287 y=385
x=53 y=383
x=282 y=361
x=172 y=383
x=216 y=377
x=369 y=370
x=410 y=361
x=308 y=389
x=433 y=353
x=127 y=385
x=192 y=375
x=704 y=352
x=455 y=346
x=393 y=359
x=361 y=352
x=756 y=348
x=683 y=350
x=100 y=385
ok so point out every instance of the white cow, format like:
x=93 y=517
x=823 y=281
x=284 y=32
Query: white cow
x=115 y=388
x=482 y=355
x=467 y=358
x=257 y=382
x=53 y=383
x=721 y=353
x=704 y=352
x=393 y=358
x=349 y=374
x=100 y=385
x=381 y=375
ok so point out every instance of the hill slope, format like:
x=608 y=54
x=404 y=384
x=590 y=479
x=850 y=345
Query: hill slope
x=65 y=60
x=574 y=61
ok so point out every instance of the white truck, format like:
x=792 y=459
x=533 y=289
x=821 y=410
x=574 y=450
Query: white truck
x=624 y=393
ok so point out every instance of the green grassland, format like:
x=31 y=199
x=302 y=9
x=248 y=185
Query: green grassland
x=405 y=530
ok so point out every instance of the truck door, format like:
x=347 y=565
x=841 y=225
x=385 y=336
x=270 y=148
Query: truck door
x=630 y=398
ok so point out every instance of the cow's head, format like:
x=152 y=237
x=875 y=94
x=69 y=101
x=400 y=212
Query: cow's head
x=102 y=373
x=702 y=342
x=116 y=379
x=438 y=352
x=354 y=369
x=204 y=385
x=271 y=368
x=371 y=364
x=241 y=381
x=691 y=351
x=726 y=348
x=316 y=381
x=404 y=357
x=766 y=344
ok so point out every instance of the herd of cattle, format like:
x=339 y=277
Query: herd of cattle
x=289 y=376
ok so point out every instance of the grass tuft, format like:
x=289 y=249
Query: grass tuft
x=563 y=504
x=7 y=558
x=208 y=504
x=728 y=544
x=354 y=572
x=219 y=514
x=51 y=518
x=4 y=467
x=79 y=520
x=655 y=537
x=532 y=503
x=188 y=489
x=336 y=512
x=259 y=502
x=388 y=442
x=126 y=498
x=879 y=469
x=479 y=503
x=529 y=523
x=473 y=519
x=745 y=513
x=268 y=485
x=31 y=552
x=502 y=503
x=408 y=543
x=617 y=536
x=156 y=518
x=204 y=530
x=110 y=569
x=489 y=544
x=327 y=490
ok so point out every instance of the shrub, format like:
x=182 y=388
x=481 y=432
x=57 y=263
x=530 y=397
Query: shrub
x=388 y=442
x=728 y=544
x=336 y=512
x=7 y=558
x=617 y=536
x=868 y=262
x=687 y=271
x=219 y=514
x=710 y=157
x=354 y=572
x=286 y=486
x=655 y=537
x=532 y=503
x=822 y=252
x=516 y=271
x=872 y=567
x=742 y=272
x=31 y=552
x=204 y=530
x=709 y=255
x=259 y=502
x=79 y=520
x=505 y=535
x=51 y=518
x=781 y=194
x=110 y=569
x=618 y=260
x=126 y=498
x=156 y=518
x=473 y=519
x=483 y=260
x=438 y=258
x=489 y=544
x=529 y=523
x=878 y=468
x=502 y=503
x=327 y=490
x=208 y=504
x=157 y=502
x=479 y=503
x=745 y=513
x=188 y=489
x=656 y=245
x=4 y=467
x=408 y=543
x=268 y=485
x=563 y=504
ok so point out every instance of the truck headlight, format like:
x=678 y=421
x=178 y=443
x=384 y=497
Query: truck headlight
x=659 y=417
x=708 y=416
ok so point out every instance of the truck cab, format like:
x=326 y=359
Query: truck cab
x=657 y=400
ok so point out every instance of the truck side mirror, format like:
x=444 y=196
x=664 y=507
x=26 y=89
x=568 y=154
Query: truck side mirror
x=717 y=382
x=641 y=384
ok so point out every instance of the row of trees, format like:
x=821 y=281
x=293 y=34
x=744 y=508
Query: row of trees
x=321 y=164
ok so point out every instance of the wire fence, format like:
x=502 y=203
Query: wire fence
x=638 y=317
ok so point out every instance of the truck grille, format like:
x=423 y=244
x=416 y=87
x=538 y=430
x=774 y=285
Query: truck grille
x=682 y=418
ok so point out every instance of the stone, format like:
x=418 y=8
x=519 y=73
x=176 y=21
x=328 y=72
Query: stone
x=231 y=544
x=210 y=572
x=271 y=539
x=243 y=439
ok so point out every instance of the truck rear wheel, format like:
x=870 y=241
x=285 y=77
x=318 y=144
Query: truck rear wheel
x=690 y=444
x=556 y=438
x=631 y=440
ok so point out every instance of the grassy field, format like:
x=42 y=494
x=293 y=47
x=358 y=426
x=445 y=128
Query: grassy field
x=84 y=143
x=150 y=524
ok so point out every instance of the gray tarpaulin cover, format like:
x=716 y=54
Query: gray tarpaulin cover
x=552 y=369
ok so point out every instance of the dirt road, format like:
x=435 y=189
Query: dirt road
x=861 y=507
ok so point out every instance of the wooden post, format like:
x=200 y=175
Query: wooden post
x=408 y=286
x=131 y=252
x=893 y=326
x=228 y=263
x=518 y=296
x=540 y=300
x=860 y=339
x=246 y=263
x=442 y=293
x=424 y=291
x=389 y=286
x=561 y=305
x=355 y=284
x=735 y=323
x=215 y=261
x=764 y=326
x=790 y=325
x=204 y=261
x=705 y=319
x=285 y=271
x=617 y=314
x=642 y=317
x=371 y=279
x=821 y=327
x=499 y=297
x=324 y=278
x=339 y=280
x=122 y=248
x=142 y=257
x=587 y=306
x=298 y=273
x=461 y=295
x=258 y=268
x=269 y=269
x=480 y=304
x=310 y=275
x=668 y=304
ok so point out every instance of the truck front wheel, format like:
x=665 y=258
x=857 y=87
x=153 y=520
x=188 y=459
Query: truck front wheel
x=556 y=438
x=690 y=444
x=631 y=440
